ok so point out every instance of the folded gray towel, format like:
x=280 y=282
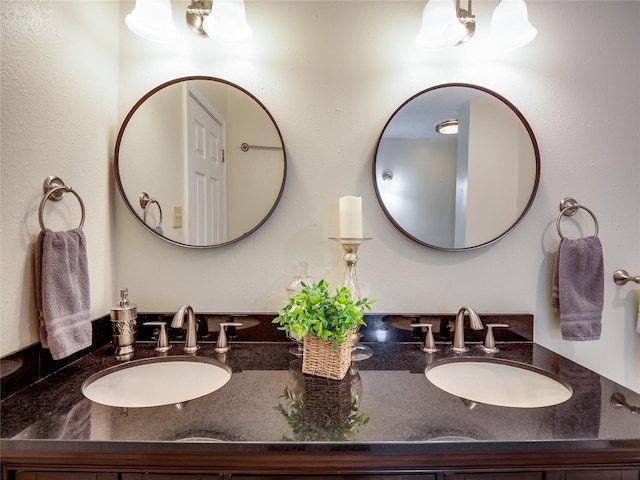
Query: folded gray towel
x=62 y=292
x=578 y=288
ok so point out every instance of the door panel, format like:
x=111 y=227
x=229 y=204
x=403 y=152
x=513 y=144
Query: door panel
x=206 y=176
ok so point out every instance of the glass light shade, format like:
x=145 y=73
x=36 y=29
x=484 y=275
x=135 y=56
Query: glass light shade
x=510 y=26
x=440 y=25
x=152 y=20
x=448 y=127
x=228 y=21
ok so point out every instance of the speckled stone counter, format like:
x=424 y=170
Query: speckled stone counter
x=384 y=403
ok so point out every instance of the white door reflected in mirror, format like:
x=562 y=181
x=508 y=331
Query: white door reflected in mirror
x=182 y=143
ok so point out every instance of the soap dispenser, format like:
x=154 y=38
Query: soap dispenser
x=124 y=326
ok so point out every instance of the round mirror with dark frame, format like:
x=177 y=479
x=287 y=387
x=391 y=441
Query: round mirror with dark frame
x=456 y=167
x=200 y=162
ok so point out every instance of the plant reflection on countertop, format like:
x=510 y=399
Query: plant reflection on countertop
x=321 y=409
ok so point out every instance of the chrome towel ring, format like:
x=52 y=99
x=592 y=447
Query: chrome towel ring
x=568 y=208
x=55 y=190
x=145 y=203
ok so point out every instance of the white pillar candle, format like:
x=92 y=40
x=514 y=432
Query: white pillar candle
x=350 y=217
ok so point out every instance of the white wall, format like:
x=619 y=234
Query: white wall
x=59 y=98
x=166 y=140
x=332 y=73
x=254 y=176
x=492 y=184
x=423 y=186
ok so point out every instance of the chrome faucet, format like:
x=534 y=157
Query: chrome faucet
x=458 y=337
x=191 y=343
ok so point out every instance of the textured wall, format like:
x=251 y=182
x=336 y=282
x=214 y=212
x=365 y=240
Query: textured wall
x=332 y=73
x=59 y=100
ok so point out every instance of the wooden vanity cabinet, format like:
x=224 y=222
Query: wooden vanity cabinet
x=65 y=476
x=168 y=476
x=112 y=476
x=594 y=475
x=550 y=475
x=495 y=476
x=417 y=476
x=124 y=464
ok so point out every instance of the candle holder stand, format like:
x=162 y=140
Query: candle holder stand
x=350 y=247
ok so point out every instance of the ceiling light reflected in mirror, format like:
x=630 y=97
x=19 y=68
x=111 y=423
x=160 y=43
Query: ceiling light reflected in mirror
x=448 y=127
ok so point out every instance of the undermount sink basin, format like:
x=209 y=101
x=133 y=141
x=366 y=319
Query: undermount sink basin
x=153 y=382
x=498 y=382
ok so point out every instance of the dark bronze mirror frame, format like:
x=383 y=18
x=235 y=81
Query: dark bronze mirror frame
x=388 y=176
x=117 y=159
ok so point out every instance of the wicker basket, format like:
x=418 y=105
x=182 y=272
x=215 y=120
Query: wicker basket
x=320 y=359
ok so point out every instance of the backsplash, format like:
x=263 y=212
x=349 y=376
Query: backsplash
x=32 y=364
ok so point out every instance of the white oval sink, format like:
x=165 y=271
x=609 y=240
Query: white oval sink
x=152 y=382
x=498 y=382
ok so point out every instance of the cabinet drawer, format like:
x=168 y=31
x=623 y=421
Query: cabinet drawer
x=168 y=476
x=426 y=476
x=66 y=476
x=495 y=476
x=594 y=475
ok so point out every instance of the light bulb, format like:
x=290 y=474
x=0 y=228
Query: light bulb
x=440 y=25
x=228 y=21
x=510 y=26
x=152 y=20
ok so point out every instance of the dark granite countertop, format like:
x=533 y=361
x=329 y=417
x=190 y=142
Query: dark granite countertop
x=384 y=404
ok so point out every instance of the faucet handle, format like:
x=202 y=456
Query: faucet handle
x=163 y=339
x=222 y=346
x=429 y=344
x=489 y=345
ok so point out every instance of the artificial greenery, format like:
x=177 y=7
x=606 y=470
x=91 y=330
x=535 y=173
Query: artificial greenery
x=315 y=310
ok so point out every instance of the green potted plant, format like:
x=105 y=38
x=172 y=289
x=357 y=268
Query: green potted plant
x=324 y=322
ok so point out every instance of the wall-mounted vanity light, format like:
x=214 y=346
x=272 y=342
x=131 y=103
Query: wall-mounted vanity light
x=448 y=127
x=445 y=23
x=510 y=26
x=222 y=19
x=152 y=20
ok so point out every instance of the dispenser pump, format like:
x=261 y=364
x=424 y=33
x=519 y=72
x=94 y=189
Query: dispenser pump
x=124 y=297
x=124 y=311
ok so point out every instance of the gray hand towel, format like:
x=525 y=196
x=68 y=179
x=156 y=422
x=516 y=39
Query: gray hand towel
x=62 y=292
x=42 y=329
x=578 y=288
